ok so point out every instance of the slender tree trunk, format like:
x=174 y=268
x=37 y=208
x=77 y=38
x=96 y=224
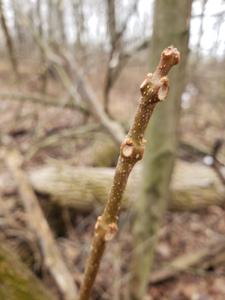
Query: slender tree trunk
x=79 y=23
x=50 y=20
x=112 y=30
x=9 y=41
x=17 y=24
x=171 y=26
x=44 y=75
x=61 y=24
x=204 y=2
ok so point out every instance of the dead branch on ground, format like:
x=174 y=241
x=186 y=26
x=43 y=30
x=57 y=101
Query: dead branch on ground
x=38 y=224
x=194 y=186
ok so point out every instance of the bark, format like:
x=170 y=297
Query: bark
x=16 y=281
x=194 y=186
x=171 y=25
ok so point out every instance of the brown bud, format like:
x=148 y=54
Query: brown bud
x=164 y=88
x=98 y=223
x=127 y=150
x=172 y=55
x=146 y=85
x=127 y=147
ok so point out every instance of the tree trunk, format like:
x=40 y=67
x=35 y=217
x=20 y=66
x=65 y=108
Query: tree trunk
x=171 y=26
x=79 y=22
x=16 y=281
x=20 y=39
x=50 y=20
x=9 y=42
x=61 y=23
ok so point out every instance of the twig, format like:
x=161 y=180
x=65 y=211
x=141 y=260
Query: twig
x=60 y=136
x=88 y=95
x=84 y=91
x=118 y=57
x=43 y=100
x=115 y=66
x=153 y=90
x=37 y=222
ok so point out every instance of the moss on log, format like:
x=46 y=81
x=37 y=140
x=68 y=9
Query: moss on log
x=194 y=186
x=16 y=281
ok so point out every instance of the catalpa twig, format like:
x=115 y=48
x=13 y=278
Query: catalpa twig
x=153 y=90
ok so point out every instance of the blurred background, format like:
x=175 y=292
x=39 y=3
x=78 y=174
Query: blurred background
x=70 y=72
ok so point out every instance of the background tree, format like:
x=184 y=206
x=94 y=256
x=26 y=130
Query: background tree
x=9 y=41
x=171 y=26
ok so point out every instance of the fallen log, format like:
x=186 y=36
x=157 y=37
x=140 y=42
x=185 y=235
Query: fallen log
x=16 y=281
x=194 y=186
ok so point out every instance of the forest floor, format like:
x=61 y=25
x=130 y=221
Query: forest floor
x=183 y=232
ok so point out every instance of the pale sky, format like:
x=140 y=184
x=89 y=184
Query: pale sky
x=212 y=43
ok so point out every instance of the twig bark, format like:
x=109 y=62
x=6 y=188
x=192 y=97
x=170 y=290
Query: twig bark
x=37 y=222
x=153 y=90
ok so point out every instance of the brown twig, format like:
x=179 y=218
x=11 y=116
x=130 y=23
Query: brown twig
x=153 y=90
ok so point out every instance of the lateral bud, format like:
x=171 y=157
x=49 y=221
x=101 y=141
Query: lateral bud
x=127 y=148
x=111 y=231
x=164 y=88
x=146 y=86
